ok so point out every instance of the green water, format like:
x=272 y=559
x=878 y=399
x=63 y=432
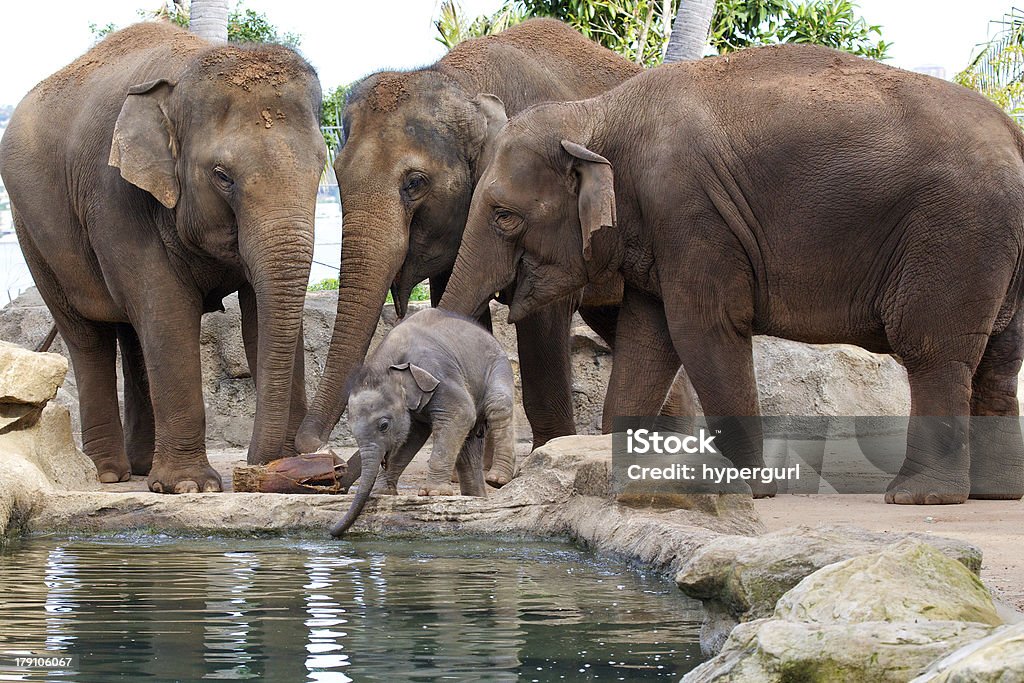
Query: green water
x=157 y=608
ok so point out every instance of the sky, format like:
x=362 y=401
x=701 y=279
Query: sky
x=346 y=39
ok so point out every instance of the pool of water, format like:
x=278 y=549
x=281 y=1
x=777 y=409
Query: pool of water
x=157 y=608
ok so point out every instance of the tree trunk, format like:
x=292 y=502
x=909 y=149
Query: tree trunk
x=209 y=19
x=691 y=29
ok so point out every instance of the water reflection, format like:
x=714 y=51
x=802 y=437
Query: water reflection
x=159 y=608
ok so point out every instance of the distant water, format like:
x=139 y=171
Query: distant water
x=16 y=278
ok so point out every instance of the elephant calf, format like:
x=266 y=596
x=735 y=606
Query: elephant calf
x=435 y=372
x=792 y=191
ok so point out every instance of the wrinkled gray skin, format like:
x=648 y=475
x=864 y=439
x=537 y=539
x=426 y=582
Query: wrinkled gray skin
x=792 y=191
x=148 y=179
x=433 y=373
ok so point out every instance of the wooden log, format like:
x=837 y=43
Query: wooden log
x=309 y=473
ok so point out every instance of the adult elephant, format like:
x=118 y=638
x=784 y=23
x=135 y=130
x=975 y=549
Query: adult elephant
x=793 y=191
x=415 y=145
x=148 y=179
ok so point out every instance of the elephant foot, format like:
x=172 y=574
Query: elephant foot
x=761 y=490
x=113 y=470
x=181 y=479
x=920 y=489
x=307 y=439
x=437 y=489
x=113 y=476
x=497 y=478
x=388 y=490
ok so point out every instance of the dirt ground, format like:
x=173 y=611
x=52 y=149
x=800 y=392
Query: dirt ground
x=997 y=527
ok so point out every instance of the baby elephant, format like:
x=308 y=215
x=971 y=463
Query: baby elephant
x=435 y=372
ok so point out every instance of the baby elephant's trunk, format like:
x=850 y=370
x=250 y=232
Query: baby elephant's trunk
x=371 y=459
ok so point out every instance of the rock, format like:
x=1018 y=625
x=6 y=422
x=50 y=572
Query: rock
x=741 y=578
x=827 y=379
x=998 y=658
x=909 y=581
x=27 y=377
x=883 y=616
x=774 y=651
x=37 y=452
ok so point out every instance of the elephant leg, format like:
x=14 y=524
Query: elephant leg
x=450 y=427
x=170 y=341
x=139 y=427
x=544 y=364
x=679 y=402
x=719 y=358
x=500 y=435
x=645 y=361
x=396 y=464
x=470 y=466
x=997 y=448
x=93 y=349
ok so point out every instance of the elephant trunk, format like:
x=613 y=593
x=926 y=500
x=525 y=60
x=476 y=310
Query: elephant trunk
x=482 y=268
x=373 y=247
x=371 y=458
x=277 y=251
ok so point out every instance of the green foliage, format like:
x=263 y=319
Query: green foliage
x=636 y=29
x=249 y=26
x=632 y=28
x=454 y=27
x=997 y=70
x=101 y=32
x=330 y=115
x=244 y=25
x=420 y=292
x=834 y=23
x=326 y=285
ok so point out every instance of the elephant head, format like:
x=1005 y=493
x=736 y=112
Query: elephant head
x=414 y=145
x=234 y=152
x=538 y=218
x=380 y=416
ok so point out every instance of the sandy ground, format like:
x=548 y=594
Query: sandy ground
x=997 y=527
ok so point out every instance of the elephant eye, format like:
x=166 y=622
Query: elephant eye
x=416 y=185
x=384 y=425
x=507 y=220
x=223 y=176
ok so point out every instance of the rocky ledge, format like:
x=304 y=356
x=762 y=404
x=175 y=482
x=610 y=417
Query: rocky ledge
x=823 y=604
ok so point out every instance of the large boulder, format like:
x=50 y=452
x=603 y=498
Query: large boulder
x=909 y=581
x=37 y=452
x=29 y=378
x=741 y=578
x=884 y=616
x=999 y=658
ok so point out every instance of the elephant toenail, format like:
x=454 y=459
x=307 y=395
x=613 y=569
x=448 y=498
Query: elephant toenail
x=156 y=487
x=109 y=478
x=186 y=486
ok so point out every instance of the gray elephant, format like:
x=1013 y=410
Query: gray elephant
x=149 y=179
x=433 y=373
x=416 y=143
x=792 y=191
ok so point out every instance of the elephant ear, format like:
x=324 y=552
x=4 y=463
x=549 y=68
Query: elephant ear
x=144 y=146
x=595 y=190
x=418 y=384
x=490 y=119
